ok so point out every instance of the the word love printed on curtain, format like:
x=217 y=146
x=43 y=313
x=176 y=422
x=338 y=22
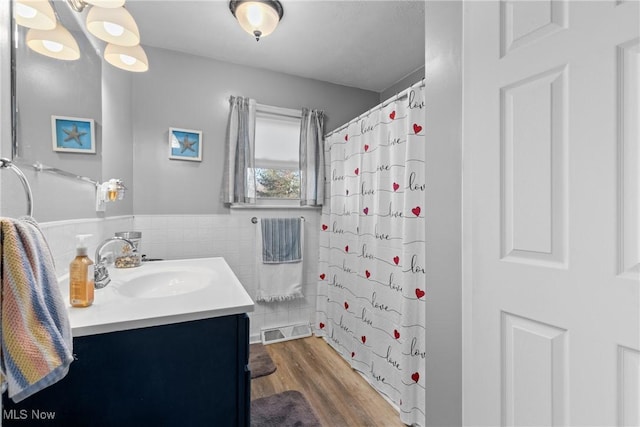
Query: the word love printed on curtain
x=371 y=289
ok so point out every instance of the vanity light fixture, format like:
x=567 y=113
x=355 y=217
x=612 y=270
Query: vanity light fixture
x=130 y=58
x=113 y=25
x=257 y=17
x=46 y=35
x=36 y=14
x=109 y=21
x=57 y=43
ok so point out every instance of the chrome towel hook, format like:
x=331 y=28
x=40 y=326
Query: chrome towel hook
x=8 y=164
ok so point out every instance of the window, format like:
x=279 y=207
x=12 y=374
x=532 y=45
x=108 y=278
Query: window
x=277 y=154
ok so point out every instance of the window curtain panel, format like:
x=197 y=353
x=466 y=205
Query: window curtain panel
x=311 y=157
x=371 y=285
x=239 y=173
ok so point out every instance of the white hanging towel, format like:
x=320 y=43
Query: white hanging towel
x=280 y=244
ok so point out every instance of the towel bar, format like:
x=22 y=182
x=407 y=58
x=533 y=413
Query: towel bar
x=8 y=164
x=254 y=220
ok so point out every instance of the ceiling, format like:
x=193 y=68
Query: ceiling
x=365 y=44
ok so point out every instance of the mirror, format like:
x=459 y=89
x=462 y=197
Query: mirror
x=67 y=90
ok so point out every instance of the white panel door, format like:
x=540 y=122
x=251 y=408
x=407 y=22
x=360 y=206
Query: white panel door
x=551 y=214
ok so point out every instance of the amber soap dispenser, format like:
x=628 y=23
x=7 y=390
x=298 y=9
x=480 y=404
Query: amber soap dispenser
x=81 y=285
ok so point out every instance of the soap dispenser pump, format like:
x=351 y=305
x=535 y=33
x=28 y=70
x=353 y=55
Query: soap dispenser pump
x=81 y=285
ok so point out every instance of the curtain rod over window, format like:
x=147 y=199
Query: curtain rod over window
x=397 y=96
x=282 y=111
x=290 y=112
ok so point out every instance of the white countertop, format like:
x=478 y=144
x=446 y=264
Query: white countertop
x=113 y=310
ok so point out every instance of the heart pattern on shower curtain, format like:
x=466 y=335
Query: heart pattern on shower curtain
x=371 y=287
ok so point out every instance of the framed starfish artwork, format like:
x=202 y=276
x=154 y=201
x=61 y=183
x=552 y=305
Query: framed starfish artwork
x=73 y=135
x=185 y=144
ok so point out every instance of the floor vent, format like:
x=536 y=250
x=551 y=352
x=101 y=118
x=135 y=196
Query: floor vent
x=285 y=333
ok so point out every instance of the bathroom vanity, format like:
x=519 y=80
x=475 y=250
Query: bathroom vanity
x=154 y=353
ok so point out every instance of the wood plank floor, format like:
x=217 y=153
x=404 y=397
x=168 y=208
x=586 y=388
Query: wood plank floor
x=337 y=393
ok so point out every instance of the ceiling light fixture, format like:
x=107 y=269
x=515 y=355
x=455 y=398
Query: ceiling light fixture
x=36 y=14
x=57 y=43
x=257 y=17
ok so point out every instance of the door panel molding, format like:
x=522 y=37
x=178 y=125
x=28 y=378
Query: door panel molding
x=534 y=169
x=628 y=386
x=628 y=63
x=535 y=373
x=525 y=23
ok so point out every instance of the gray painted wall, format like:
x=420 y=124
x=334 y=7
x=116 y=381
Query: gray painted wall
x=192 y=92
x=406 y=82
x=444 y=198
x=117 y=135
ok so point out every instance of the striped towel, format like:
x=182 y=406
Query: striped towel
x=36 y=347
x=281 y=240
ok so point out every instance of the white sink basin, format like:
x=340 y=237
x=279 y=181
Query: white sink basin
x=165 y=283
x=160 y=293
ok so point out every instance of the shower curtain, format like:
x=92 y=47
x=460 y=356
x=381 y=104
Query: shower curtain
x=371 y=285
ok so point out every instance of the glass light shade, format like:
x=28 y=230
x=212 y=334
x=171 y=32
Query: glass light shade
x=37 y=14
x=130 y=58
x=57 y=43
x=257 y=18
x=106 y=3
x=115 y=26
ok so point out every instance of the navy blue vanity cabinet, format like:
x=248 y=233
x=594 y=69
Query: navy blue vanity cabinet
x=183 y=374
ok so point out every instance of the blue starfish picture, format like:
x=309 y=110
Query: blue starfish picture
x=71 y=134
x=185 y=144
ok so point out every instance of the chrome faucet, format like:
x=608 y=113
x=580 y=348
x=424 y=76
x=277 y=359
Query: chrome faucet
x=101 y=273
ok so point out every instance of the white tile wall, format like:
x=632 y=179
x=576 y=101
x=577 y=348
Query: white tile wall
x=230 y=236
x=62 y=241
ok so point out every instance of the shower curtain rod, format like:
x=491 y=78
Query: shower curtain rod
x=379 y=106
